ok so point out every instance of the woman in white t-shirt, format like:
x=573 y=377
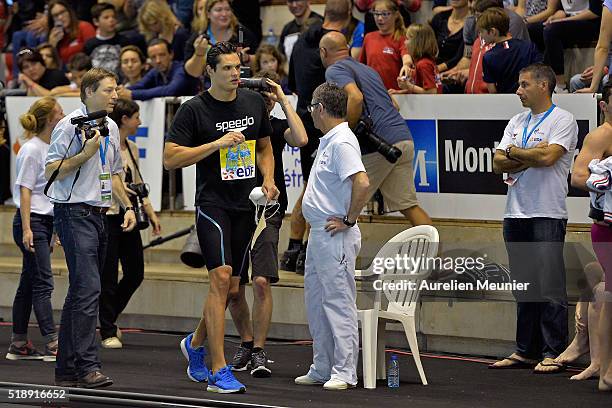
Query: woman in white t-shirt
x=33 y=232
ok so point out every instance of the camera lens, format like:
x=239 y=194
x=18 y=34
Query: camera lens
x=390 y=152
x=254 y=83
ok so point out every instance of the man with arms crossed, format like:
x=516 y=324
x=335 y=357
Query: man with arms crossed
x=225 y=132
x=536 y=151
x=334 y=197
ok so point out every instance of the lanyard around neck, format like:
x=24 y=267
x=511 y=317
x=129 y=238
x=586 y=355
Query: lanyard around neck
x=103 y=151
x=526 y=135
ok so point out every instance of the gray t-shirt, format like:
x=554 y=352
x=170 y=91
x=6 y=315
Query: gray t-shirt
x=518 y=28
x=388 y=123
x=87 y=188
x=541 y=191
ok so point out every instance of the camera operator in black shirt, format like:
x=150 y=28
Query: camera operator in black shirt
x=124 y=246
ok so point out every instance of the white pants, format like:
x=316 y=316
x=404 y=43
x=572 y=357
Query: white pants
x=330 y=294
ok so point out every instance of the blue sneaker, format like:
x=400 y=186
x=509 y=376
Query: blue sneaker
x=224 y=382
x=196 y=370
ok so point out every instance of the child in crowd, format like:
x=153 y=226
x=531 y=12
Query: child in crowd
x=105 y=47
x=422 y=46
x=385 y=50
x=269 y=58
x=50 y=56
x=78 y=66
x=502 y=63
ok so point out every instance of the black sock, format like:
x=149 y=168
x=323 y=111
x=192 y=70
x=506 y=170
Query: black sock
x=294 y=243
x=247 y=344
x=257 y=349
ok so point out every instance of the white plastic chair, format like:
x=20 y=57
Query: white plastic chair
x=420 y=242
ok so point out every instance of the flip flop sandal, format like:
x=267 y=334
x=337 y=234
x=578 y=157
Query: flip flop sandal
x=560 y=367
x=518 y=364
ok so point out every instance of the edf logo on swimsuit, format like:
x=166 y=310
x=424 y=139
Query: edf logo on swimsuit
x=237 y=125
x=238 y=162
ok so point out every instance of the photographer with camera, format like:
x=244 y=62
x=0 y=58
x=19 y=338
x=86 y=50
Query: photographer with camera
x=384 y=138
x=124 y=246
x=264 y=252
x=83 y=166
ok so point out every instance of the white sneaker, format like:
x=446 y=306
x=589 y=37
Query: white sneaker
x=335 y=384
x=561 y=90
x=307 y=380
x=112 y=343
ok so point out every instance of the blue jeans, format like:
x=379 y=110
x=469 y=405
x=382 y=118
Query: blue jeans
x=83 y=234
x=535 y=252
x=36 y=282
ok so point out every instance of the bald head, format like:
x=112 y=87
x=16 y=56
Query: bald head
x=334 y=41
x=332 y=48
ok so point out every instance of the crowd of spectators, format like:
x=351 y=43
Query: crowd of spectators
x=47 y=43
x=118 y=35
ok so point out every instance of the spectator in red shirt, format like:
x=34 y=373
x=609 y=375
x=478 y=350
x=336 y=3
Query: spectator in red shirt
x=384 y=49
x=405 y=7
x=66 y=32
x=422 y=45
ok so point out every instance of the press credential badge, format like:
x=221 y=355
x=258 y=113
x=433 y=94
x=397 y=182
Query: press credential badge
x=106 y=191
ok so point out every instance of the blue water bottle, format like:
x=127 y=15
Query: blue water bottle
x=393 y=373
x=271 y=38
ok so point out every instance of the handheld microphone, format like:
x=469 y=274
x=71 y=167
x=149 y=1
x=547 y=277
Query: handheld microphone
x=79 y=120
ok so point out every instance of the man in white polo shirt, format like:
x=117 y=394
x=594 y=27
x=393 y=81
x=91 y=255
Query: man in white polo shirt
x=536 y=154
x=336 y=193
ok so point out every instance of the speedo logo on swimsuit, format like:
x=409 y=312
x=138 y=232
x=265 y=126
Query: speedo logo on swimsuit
x=237 y=125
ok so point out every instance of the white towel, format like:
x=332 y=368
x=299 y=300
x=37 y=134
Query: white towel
x=599 y=182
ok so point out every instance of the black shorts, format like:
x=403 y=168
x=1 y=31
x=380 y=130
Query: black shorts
x=264 y=256
x=224 y=237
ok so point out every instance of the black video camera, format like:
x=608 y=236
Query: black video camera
x=84 y=123
x=142 y=191
x=90 y=130
x=365 y=131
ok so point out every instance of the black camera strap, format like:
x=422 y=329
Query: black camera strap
x=56 y=172
x=134 y=161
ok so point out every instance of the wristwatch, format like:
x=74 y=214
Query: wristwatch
x=346 y=222
x=508 y=151
x=126 y=209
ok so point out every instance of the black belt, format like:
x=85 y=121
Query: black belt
x=92 y=208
